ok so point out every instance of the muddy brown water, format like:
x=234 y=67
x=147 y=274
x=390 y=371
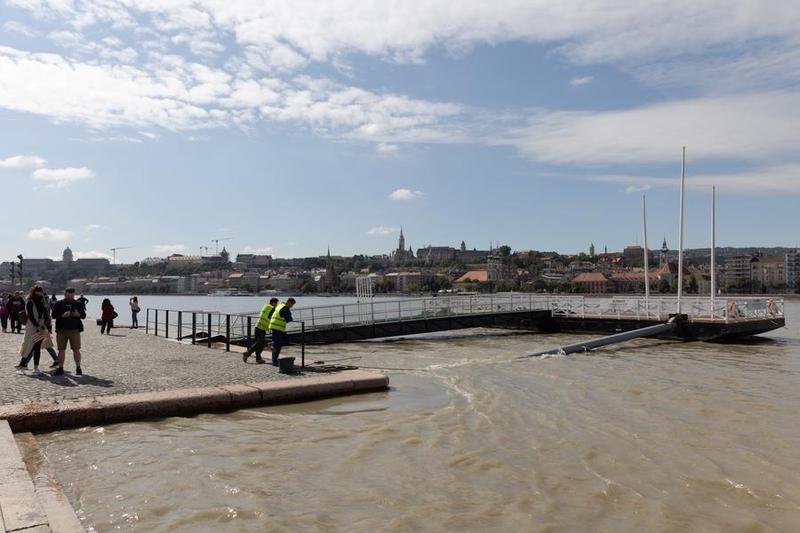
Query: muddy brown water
x=648 y=436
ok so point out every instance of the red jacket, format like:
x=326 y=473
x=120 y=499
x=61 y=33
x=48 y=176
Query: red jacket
x=107 y=309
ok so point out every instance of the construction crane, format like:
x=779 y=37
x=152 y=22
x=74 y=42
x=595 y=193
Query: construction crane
x=216 y=243
x=114 y=253
x=203 y=248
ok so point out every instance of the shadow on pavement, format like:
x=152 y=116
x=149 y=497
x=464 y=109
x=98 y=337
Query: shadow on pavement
x=71 y=380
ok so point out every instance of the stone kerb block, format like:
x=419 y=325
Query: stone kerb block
x=32 y=416
x=80 y=413
x=185 y=402
x=243 y=396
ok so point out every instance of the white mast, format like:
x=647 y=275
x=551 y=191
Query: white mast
x=680 y=232
x=646 y=258
x=713 y=246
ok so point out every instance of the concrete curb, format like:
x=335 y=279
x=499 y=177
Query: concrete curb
x=47 y=416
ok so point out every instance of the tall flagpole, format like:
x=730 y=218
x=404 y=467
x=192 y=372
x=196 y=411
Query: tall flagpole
x=680 y=231
x=646 y=258
x=713 y=247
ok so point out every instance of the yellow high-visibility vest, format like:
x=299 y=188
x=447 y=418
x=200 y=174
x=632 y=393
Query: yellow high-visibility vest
x=277 y=322
x=263 y=318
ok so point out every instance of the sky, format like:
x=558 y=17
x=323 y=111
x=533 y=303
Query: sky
x=290 y=126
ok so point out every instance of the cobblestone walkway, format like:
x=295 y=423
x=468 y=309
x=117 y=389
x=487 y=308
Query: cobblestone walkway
x=126 y=362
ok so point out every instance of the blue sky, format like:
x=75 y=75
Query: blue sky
x=161 y=125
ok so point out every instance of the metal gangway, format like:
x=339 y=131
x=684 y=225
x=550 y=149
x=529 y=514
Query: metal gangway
x=385 y=316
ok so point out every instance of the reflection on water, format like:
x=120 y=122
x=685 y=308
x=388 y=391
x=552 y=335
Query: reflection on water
x=651 y=435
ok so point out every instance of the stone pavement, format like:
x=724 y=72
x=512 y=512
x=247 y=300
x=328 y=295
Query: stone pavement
x=125 y=362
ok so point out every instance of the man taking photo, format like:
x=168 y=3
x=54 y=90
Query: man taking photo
x=68 y=314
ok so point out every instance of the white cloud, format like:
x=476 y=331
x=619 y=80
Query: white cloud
x=405 y=195
x=780 y=179
x=258 y=250
x=169 y=249
x=49 y=234
x=745 y=127
x=575 y=82
x=94 y=227
x=22 y=161
x=630 y=189
x=91 y=254
x=382 y=231
x=12 y=26
x=62 y=177
x=387 y=148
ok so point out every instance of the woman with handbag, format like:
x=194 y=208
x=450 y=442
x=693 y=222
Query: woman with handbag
x=38 y=318
x=107 y=317
x=134 y=303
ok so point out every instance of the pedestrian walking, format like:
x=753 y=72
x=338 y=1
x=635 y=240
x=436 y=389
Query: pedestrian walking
x=262 y=328
x=15 y=306
x=107 y=317
x=4 y=312
x=84 y=300
x=36 y=331
x=53 y=301
x=69 y=314
x=281 y=316
x=134 y=303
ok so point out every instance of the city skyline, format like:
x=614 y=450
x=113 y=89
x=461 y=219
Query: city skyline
x=289 y=129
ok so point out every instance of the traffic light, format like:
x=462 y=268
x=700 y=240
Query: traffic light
x=13 y=271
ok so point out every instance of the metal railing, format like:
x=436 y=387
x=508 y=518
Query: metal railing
x=697 y=309
x=204 y=326
x=209 y=327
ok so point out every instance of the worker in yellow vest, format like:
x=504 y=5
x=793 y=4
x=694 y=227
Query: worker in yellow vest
x=281 y=316
x=262 y=328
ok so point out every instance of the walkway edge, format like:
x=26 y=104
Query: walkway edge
x=101 y=410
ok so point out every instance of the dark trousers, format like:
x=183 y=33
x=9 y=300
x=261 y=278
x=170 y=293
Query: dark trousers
x=36 y=352
x=106 y=325
x=4 y=320
x=259 y=342
x=16 y=325
x=279 y=340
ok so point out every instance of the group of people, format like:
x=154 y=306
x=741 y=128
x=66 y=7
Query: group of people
x=37 y=314
x=271 y=321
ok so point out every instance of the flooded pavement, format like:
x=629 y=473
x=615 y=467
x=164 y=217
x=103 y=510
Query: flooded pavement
x=650 y=435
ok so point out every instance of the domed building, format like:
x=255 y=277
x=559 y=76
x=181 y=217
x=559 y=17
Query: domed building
x=67 y=256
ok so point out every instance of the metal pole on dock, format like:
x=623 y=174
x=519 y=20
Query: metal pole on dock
x=209 y=330
x=227 y=333
x=713 y=247
x=646 y=254
x=680 y=231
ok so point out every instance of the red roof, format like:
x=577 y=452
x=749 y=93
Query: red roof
x=474 y=275
x=588 y=277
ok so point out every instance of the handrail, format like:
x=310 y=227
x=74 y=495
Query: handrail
x=327 y=317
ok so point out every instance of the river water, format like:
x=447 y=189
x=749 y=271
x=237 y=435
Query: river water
x=647 y=436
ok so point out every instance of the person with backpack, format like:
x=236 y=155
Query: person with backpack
x=15 y=307
x=107 y=317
